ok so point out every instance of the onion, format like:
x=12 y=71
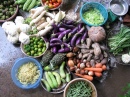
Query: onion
x=70 y=63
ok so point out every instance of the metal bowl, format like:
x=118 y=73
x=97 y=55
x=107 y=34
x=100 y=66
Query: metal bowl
x=119 y=7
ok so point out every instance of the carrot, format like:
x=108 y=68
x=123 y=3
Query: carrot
x=94 y=69
x=98 y=65
x=104 y=67
x=98 y=74
x=85 y=76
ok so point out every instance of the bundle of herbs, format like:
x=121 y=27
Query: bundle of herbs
x=120 y=41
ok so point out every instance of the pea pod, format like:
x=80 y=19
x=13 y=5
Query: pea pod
x=57 y=78
x=46 y=85
x=20 y=1
x=53 y=79
x=33 y=3
x=68 y=77
x=26 y=4
x=62 y=71
x=49 y=80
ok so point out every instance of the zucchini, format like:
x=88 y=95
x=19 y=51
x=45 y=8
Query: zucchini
x=58 y=79
x=53 y=79
x=49 y=80
x=46 y=85
x=26 y=4
x=33 y=4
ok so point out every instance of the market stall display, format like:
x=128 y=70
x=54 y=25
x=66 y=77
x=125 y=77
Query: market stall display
x=65 y=47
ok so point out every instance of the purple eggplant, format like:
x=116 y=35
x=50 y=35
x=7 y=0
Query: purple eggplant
x=54 y=49
x=55 y=28
x=84 y=37
x=68 y=26
x=64 y=50
x=62 y=29
x=55 y=40
x=78 y=41
x=73 y=40
x=80 y=25
x=66 y=45
x=64 y=33
x=55 y=44
x=70 y=22
x=81 y=30
x=73 y=31
x=54 y=35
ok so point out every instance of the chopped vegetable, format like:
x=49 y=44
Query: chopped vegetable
x=93 y=16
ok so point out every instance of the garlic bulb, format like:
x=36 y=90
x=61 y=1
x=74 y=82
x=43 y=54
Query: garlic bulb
x=19 y=19
x=24 y=28
x=23 y=38
x=13 y=39
x=12 y=30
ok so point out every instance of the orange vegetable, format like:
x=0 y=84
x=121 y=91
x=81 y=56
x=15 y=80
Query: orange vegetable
x=59 y=1
x=98 y=65
x=78 y=65
x=54 y=1
x=104 y=67
x=94 y=69
x=85 y=76
x=98 y=74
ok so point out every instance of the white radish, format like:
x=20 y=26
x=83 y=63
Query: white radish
x=48 y=19
x=51 y=22
x=45 y=31
x=50 y=15
x=59 y=16
x=42 y=26
x=38 y=18
x=40 y=22
x=38 y=12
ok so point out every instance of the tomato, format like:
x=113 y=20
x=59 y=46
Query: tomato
x=43 y=0
x=47 y=2
x=50 y=5
x=59 y=1
x=56 y=5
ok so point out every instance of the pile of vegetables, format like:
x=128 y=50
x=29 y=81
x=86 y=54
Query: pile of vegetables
x=93 y=16
x=52 y=3
x=27 y=5
x=7 y=9
x=79 y=89
x=66 y=35
x=119 y=42
x=55 y=79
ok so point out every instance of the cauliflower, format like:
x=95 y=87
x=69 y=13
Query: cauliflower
x=125 y=58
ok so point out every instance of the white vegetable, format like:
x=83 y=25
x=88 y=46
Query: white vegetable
x=32 y=11
x=125 y=58
x=13 y=39
x=39 y=10
x=7 y=24
x=50 y=15
x=45 y=31
x=51 y=22
x=24 y=28
x=19 y=19
x=23 y=38
x=38 y=18
x=40 y=22
x=12 y=30
x=42 y=26
x=48 y=19
x=59 y=16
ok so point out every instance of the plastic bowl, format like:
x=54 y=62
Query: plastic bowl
x=17 y=64
x=96 y=5
x=94 y=92
x=22 y=49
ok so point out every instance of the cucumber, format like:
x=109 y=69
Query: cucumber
x=58 y=79
x=49 y=80
x=53 y=79
x=33 y=4
x=46 y=85
x=62 y=71
x=26 y=4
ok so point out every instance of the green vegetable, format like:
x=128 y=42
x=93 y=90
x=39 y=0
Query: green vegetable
x=120 y=41
x=126 y=89
x=49 y=80
x=63 y=80
x=26 y=4
x=20 y=1
x=46 y=85
x=53 y=79
x=93 y=16
x=68 y=77
x=58 y=79
x=49 y=67
x=62 y=71
x=33 y=3
x=79 y=89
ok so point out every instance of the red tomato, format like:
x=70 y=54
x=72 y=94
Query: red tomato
x=56 y=5
x=59 y=1
x=50 y=5
x=54 y=1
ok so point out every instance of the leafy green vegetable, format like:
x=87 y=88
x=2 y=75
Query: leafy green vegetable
x=79 y=89
x=93 y=16
x=120 y=41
